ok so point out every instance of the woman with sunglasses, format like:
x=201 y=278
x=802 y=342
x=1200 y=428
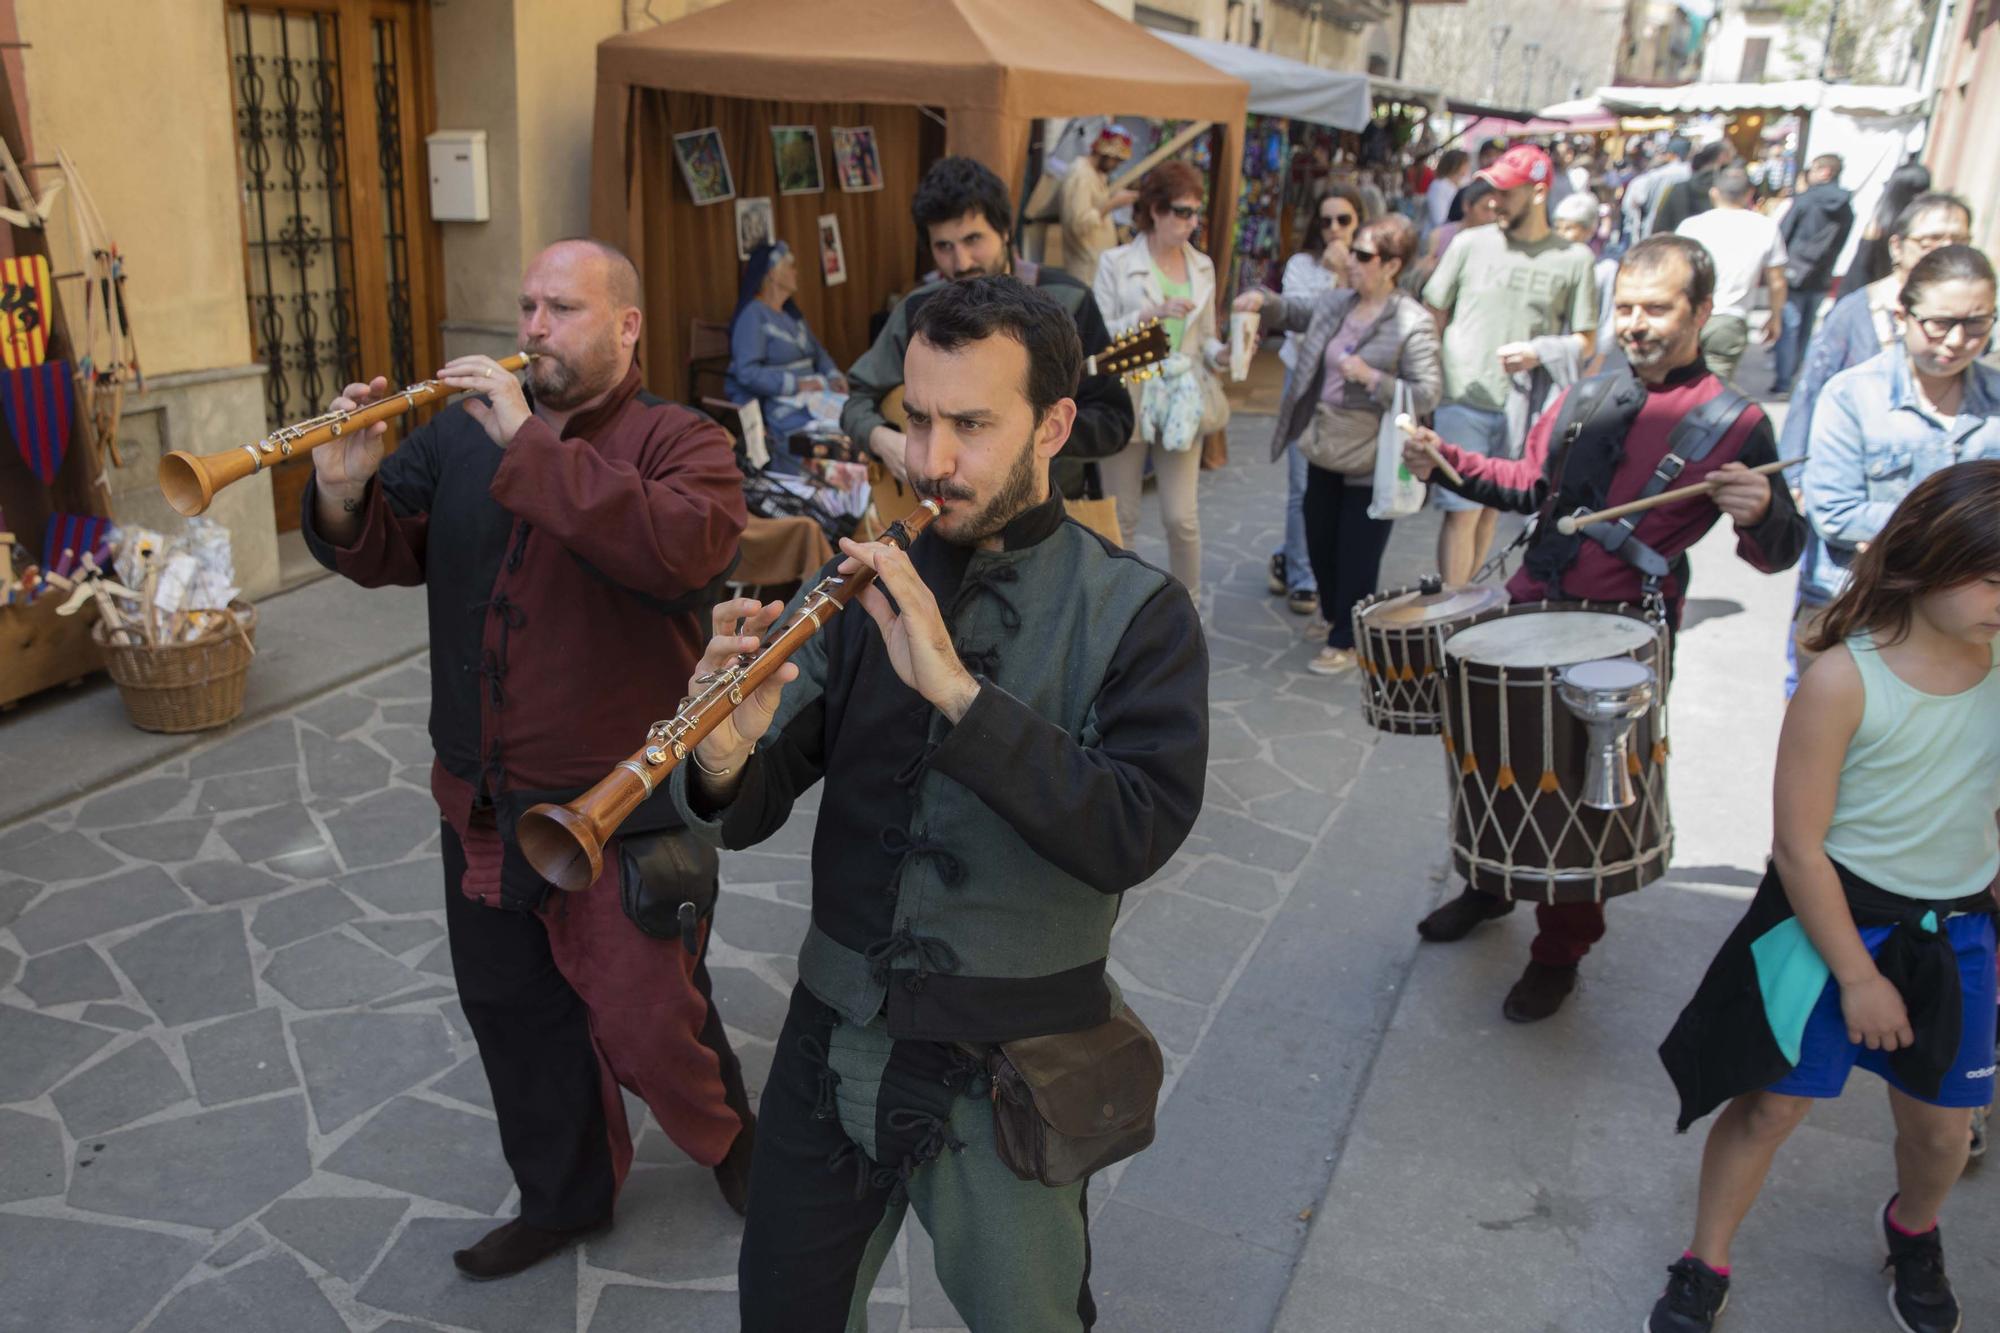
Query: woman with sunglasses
x=1914 y=408
x=1160 y=275
x=1318 y=268
x=1357 y=346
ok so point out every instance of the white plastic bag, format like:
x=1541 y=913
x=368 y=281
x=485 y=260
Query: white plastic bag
x=1397 y=493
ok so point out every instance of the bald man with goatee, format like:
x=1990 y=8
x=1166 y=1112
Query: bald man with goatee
x=571 y=535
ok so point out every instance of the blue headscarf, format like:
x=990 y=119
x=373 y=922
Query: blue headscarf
x=755 y=269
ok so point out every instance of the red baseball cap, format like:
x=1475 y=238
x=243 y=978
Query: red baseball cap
x=1523 y=164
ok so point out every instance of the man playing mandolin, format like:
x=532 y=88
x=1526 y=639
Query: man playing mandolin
x=964 y=217
x=1013 y=730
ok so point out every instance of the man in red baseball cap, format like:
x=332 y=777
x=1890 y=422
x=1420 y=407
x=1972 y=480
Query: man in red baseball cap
x=1512 y=299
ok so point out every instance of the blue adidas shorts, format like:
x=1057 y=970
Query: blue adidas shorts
x=1826 y=1055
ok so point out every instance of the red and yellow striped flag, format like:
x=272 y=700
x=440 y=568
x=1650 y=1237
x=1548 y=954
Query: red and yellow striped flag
x=24 y=311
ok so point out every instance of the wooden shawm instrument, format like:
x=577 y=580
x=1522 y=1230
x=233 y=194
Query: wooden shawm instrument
x=1583 y=518
x=565 y=843
x=190 y=481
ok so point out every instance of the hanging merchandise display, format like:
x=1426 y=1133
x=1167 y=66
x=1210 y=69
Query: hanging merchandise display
x=1267 y=156
x=107 y=350
x=38 y=403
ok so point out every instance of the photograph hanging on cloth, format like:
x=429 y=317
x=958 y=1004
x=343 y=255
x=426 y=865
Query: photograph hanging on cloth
x=795 y=149
x=754 y=225
x=855 y=160
x=704 y=166
x=832 y=254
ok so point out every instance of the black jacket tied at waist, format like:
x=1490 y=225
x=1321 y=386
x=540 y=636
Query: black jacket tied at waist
x=1723 y=1046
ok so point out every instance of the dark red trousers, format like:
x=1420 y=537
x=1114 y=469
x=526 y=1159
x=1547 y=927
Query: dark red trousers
x=1565 y=932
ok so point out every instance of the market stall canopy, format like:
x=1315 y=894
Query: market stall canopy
x=1796 y=95
x=991 y=66
x=741 y=71
x=1283 y=87
x=1488 y=127
x=1395 y=90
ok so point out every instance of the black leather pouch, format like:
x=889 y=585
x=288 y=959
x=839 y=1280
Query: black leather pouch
x=667 y=883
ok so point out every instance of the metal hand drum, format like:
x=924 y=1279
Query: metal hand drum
x=1399 y=645
x=1608 y=696
x=1524 y=823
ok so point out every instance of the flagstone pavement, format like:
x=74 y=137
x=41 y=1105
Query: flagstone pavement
x=237 y=1092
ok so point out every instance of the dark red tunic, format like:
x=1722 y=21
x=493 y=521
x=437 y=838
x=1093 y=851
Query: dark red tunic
x=565 y=578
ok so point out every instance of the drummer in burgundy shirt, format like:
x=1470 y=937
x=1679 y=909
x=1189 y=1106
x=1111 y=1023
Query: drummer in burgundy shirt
x=1661 y=299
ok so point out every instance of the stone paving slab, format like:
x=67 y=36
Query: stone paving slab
x=288 y=968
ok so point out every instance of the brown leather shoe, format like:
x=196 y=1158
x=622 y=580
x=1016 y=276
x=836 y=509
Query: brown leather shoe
x=732 y=1173
x=1455 y=920
x=514 y=1246
x=1539 y=993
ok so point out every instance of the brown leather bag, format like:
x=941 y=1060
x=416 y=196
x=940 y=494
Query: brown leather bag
x=1073 y=1103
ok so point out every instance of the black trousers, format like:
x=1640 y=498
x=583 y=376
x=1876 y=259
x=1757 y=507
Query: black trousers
x=1346 y=548
x=533 y=1033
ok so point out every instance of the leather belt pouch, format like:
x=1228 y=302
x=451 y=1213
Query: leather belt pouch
x=667 y=883
x=1073 y=1103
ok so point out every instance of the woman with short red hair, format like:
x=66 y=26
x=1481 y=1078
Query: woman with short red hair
x=1160 y=275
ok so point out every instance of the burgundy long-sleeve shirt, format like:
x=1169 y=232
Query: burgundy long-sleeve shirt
x=1522 y=484
x=562 y=574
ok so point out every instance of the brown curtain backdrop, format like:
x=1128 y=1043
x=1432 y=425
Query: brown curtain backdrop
x=688 y=252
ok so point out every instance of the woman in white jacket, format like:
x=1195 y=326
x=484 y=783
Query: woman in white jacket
x=1159 y=275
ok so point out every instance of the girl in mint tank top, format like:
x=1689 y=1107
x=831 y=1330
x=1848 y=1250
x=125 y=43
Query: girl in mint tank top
x=1871 y=941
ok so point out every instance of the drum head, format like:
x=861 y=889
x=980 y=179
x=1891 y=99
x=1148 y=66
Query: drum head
x=1608 y=674
x=1549 y=638
x=1430 y=608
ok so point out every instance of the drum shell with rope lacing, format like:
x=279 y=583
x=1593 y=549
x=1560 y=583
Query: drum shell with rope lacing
x=1516 y=757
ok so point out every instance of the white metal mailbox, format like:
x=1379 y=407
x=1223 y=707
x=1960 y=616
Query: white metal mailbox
x=458 y=176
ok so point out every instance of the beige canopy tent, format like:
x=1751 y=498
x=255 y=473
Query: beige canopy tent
x=989 y=66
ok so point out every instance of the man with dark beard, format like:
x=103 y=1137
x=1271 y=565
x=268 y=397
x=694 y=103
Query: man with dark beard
x=1012 y=726
x=1607 y=440
x=570 y=539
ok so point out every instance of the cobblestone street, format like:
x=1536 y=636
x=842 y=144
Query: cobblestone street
x=238 y=1093
x=235 y=1075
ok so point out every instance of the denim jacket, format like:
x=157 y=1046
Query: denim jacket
x=1873 y=441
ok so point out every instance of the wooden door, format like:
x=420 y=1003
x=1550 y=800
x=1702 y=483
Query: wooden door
x=332 y=101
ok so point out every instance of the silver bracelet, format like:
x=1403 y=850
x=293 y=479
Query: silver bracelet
x=706 y=771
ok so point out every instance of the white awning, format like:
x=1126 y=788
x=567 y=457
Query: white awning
x=1282 y=87
x=1796 y=95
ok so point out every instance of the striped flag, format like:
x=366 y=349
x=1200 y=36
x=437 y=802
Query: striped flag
x=75 y=533
x=38 y=402
x=24 y=311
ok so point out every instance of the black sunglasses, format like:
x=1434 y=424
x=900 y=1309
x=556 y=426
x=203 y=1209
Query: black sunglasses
x=1339 y=220
x=1365 y=256
x=1184 y=211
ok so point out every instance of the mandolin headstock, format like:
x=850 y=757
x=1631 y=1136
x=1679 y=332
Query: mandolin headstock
x=1131 y=356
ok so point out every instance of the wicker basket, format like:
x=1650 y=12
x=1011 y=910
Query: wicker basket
x=183 y=686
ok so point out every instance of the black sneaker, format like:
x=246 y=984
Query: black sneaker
x=1920 y=1294
x=1695 y=1295
x=1278 y=583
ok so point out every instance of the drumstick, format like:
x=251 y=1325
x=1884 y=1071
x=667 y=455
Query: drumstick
x=1407 y=424
x=1584 y=518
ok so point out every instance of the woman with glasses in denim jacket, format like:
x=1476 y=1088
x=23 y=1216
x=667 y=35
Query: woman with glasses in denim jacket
x=1915 y=408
